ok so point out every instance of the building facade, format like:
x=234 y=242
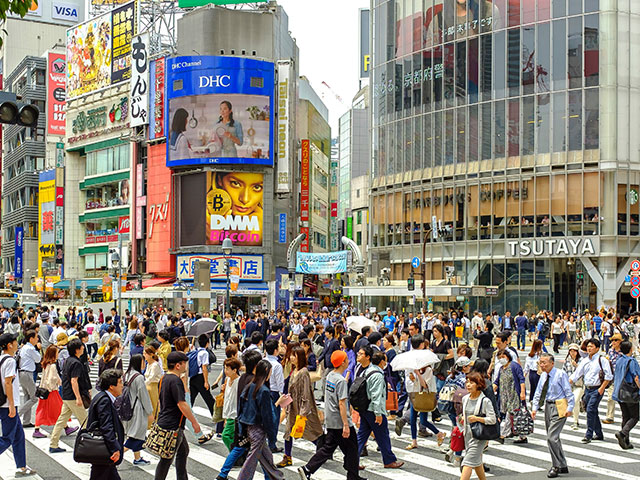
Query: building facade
x=502 y=137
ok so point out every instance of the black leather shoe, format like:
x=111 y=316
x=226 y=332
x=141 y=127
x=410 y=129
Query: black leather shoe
x=599 y=438
x=553 y=472
x=563 y=470
x=277 y=450
x=586 y=440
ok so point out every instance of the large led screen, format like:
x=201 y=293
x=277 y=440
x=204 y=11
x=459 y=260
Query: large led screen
x=219 y=111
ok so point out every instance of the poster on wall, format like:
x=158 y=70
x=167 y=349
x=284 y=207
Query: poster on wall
x=235 y=208
x=99 y=51
x=139 y=85
x=56 y=93
x=220 y=111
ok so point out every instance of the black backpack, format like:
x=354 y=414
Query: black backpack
x=358 y=397
x=546 y=329
x=123 y=402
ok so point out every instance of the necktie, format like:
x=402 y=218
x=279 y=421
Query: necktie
x=545 y=388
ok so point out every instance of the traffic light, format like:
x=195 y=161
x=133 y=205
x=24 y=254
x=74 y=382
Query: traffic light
x=580 y=278
x=12 y=112
x=411 y=283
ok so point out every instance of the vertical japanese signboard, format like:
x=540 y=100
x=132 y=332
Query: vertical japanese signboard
x=304 y=193
x=157 y=99
x=124 y=23
x=17 y=269
x=139 y=86
x=56 y=93
x=284 y=131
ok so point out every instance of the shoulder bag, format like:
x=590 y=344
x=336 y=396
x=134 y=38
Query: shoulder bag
x=90 y=447
x=161 y=441
x=479 y=430
x=628 y=392
x=424 y=401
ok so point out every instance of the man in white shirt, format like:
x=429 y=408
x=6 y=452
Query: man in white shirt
x=199 y=383
x=596 y=372
x=12 y=430
x=477 y=325
x=29 y=357
x=276 y=381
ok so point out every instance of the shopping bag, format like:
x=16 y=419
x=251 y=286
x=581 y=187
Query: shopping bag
x=522 y=422
x=392 y=401
x=459 y=331
x=298 y=428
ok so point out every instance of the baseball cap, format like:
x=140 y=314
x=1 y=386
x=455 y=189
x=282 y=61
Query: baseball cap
x=463 y=361
x=337 y=358
x=616 y=336
x=6 y=339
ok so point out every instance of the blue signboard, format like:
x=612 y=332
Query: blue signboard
x=282 y=238
x=415 y=262
x=322 y=263
x=17 y=268
x=219 y=111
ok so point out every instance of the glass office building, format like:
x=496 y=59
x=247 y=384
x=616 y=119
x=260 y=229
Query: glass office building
x=504 y=136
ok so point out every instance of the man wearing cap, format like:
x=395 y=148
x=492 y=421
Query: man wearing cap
x=614 y=355
x=12 y=430
x=340 y=431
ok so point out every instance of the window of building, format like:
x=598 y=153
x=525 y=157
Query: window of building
x=359 y=238
x=359 y=216
x=107 y=160
x=96 y=265
x=109 y=195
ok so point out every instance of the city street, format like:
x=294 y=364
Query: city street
x=531 y=461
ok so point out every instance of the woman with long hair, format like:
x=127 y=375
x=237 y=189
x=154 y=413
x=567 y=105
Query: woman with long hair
x=312 y=362
x=257 y=417
x=531 y=367
x=152 y=376
x=178 y=144
x=228 y=130
x=570 y=365
x=346 y=345
x=303 y=404
x=110 y=359
x=136 y=428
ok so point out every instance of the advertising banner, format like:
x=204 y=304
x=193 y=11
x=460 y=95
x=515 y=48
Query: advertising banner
x=235 y=208
x=321 y=263
x=251 y=266
x=46 y=214
x=124 y=225
x=282 y=228
x=139 y=86
x=99 y=51
x=156 y=106
x=59 y=233
x=304 y=245
x=56 y=93
x=365 y=54
x=159 y=222
x=219 y=111
x=284 y=131
x=19 y=249
x=304 y=175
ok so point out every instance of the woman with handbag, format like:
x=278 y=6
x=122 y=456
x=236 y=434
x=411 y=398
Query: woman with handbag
x=302 y=406
x=477 y=413
x=49 y=408
x=152 y=375
x=570 y=365
x=625 y=392
x=511 y=392
x=257 y=417
x=136 y=428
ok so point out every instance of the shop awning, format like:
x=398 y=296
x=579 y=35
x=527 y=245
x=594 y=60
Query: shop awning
x=92 y=284
x=152 y=282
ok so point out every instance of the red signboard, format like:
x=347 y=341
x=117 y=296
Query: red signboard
x=124 y=225
x=56 y=93
x=159 y=212
x=59 y=196
x=334 y=209
x=304 y=191
x=304 y=246
x=159 y=100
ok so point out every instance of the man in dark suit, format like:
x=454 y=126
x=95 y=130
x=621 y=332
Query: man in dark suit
x=103 y=415
x=251 y=326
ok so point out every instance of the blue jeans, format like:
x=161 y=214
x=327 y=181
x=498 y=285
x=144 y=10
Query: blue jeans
x=544 y=347
x=521 y=339
x=592 y=398
x=403 y=396
x=424 y=420
x=367 y=425
x=13 y=436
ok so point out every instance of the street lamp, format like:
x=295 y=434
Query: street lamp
x=227 y=249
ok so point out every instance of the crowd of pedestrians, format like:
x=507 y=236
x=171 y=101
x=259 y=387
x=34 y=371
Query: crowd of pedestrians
x=278 y=366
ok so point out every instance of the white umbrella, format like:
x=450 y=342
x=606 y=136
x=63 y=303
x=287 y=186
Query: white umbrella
x=356 y=323
x=414 y=360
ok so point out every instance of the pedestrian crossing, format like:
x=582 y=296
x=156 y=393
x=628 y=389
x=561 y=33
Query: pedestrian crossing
x=531 y=461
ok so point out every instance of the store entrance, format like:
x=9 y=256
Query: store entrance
x=564 y=284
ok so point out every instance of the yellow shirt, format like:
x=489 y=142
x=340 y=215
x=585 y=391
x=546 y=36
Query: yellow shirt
x=163 y=353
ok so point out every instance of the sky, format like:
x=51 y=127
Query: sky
x=326 y=32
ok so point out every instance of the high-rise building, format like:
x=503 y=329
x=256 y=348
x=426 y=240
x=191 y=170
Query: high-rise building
x=503 y=138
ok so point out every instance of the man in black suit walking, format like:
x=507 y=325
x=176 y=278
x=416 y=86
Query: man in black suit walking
x=103 y=414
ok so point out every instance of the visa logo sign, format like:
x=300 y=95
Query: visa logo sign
x=65 y=11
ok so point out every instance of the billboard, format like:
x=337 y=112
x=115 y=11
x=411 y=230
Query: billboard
x=219 y=111
x=285 y=89
x=46 y=214
x=250 y=266
x=156 y=93
x=365 y=53
x=321 y=263
x=18 y=256
x=305 y=154
x=139 y=87
x=56 y=93
x=235 y=208
x=99 y=51
x=160 y=219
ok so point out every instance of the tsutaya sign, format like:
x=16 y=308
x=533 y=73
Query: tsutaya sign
x=554 y=247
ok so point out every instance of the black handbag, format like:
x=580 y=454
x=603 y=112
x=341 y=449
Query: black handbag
x=628 y=392
x=90 y=447
x=481 y=431
x=42 y=393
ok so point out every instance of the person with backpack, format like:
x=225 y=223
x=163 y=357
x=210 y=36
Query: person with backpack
x=199 y=373
x=597 y=374
x=626 y=371
x=368 y=397
x=28 y=359
x=135 y=408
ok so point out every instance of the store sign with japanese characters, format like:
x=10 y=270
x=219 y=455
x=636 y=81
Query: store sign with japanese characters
x=250 y=266
x=140 y=80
